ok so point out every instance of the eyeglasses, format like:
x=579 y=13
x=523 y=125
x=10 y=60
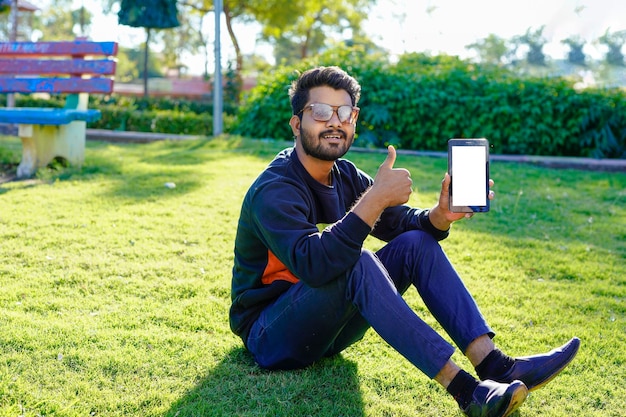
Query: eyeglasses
x=324 y=112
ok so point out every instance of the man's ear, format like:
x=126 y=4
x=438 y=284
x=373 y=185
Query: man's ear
x=294 y=122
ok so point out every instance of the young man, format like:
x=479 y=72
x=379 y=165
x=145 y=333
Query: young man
x=304 y=288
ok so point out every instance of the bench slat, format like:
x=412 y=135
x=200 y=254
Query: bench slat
x=77 y=48
x=48 y=116
x=56 y=85
x=56 y=66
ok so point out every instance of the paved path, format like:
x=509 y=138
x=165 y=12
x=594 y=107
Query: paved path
x=137 y=137
x=589 y=164
x=609 y=165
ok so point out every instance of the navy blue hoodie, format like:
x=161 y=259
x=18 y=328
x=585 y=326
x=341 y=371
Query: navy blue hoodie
x=293 y=228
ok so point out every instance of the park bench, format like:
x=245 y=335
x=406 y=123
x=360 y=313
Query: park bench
x=72 y=68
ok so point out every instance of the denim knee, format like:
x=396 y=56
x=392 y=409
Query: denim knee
x=417 y=238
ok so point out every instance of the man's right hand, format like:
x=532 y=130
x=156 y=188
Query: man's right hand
x=392 y=187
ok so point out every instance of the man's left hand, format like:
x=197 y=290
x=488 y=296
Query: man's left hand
x=440 y=216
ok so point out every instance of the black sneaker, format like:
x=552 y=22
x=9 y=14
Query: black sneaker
x=494 y=399
x=536 y=371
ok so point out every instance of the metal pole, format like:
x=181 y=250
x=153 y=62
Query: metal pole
x=217 y=81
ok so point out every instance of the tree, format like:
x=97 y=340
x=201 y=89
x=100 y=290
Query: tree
x=491 y=50
x=81 y=17
x=62 y=22
x=302 y=25
x=575 y=55
x=137 y=57
x=535 y=42
x=269 y=13
x=149 y=14
x=315 y=25
x=188 y=37
x=254 y=64
x=126 y=68
x=196 y=11
x=614 y=41
x=6 y=21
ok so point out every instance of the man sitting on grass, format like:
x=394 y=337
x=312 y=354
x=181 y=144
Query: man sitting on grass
x=304 y=288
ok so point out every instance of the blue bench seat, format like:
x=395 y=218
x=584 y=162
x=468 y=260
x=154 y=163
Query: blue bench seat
x=47 y=116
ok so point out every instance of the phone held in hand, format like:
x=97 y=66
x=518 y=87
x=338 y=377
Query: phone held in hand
x=468 y=166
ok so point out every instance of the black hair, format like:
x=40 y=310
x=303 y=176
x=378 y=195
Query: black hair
x=333 y=77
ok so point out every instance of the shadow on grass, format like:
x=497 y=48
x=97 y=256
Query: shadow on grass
x=202 y=151
x=161 y=164
x=147 y=171
x=190 y=153
x=238 y=387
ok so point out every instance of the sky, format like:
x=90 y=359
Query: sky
x=435 y=26
x=449 y=25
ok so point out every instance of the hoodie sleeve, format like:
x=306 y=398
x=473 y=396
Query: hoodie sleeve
x=281 y=213
x=400 y=219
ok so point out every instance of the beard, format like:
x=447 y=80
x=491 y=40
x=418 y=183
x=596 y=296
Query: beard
x=318 y=147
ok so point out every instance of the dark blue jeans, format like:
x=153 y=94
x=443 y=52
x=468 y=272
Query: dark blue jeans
x=305 y=324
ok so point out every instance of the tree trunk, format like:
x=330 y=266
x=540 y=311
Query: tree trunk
x=239 y=57
x=304 y=48
x=145 y=63
x=205 y=49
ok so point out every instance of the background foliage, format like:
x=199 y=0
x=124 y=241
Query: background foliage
x=418 y=103
x=422 y=101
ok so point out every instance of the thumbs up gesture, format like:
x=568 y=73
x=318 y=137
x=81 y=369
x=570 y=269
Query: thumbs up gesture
x=392 y=185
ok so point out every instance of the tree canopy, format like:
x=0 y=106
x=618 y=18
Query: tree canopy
x=152 y=14
x=295 y=29
x=614 y=41
x=149 y=14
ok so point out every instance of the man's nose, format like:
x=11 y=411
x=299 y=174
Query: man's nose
x=334 y=119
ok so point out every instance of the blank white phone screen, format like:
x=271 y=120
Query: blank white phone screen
x=469 y=176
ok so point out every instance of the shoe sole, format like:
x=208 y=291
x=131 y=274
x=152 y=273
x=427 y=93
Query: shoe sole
x=558 y=371
x=517 y=399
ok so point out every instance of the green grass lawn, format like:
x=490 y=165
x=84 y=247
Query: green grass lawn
x=115 y=290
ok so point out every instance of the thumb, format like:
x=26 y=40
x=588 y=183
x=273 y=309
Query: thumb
x=391 y=158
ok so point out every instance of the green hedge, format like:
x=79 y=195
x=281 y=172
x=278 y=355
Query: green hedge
x=159 y=121
x=124 y=114
x=420 y=102
x=202 y=105
x=162 y=121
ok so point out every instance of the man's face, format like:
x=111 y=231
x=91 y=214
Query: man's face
x=324 y=140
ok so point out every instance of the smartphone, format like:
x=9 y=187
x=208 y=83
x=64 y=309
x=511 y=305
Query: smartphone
x=468 y=166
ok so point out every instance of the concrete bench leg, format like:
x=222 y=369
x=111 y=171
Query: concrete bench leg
x=42 y=143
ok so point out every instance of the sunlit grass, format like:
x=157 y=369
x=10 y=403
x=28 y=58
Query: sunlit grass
x=116 y=288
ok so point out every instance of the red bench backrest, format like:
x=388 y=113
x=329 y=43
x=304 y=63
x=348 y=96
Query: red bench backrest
x=59 y=65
